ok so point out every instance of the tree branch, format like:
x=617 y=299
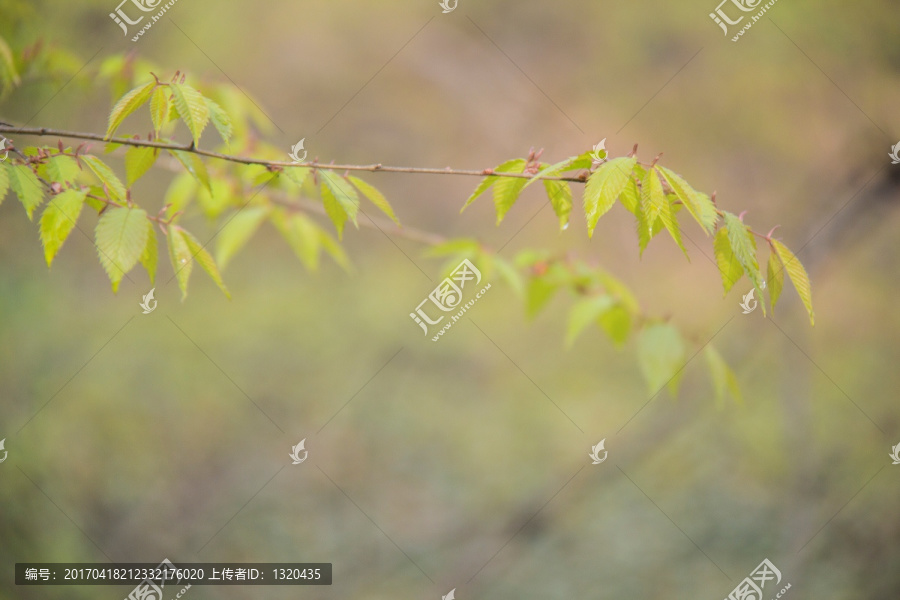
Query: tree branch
x=44 y=131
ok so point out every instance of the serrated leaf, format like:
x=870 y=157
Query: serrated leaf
x=340 y=200
x=631 y=197
x=138 y=161
x=120 y=236
x=507 y=189
x=798 y=276
x=488 y=181
x=560 y=195
x=59 y=219
x=27 y=187
x=729 y=266
x=774 y=278
x=194 y=165
x=656 y=205
x=182 y=260
x=298 y=175
x=150 y=255
x=723 y=377
x=585 y=312
x=237 y=232
x=302 y=235
x=115 y=187
x=744 y=248
x=661 y=354
x=202 y=257
x=159 y=108
x=375 y=197
x=603 y=188
x=61 y=169
x=334 y=249
x=220 y=119
x=4 y=181
x=699 y=205
x=129 y=103
x=191 y=107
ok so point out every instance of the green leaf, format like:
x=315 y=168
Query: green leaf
x=333 y=249
x=238 y=231
x=340 y=200
x=129 y=103
x=27 y=187
x=585 y=312
x=551 y=170
x=798 y=276
x=138 y=161
x=661 y=355
x=61 y=169
x=744 y=248
x=4 y=181
x=107 y=177
x=375 y=197
x=181 y=257
x=59 y=219
x=121 y=236
x=159 y=108
x=191 y=107
x=616 y=322
x=303 y=237
x=194 y=165
x=729 y=267
x=538 y=293
x=220 y=119
x=560 y=195
x=603 y=188
x=631 y=197
x=203 y=258
x=774 y=278
x=150 y=255
x=490 y=179
x=699 y=205
x=181 y=192
x=656 y=205
x=723 y=377
x=297 y=174
x=507 y=189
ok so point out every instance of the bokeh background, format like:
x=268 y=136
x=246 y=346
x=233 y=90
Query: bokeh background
x=446 y=465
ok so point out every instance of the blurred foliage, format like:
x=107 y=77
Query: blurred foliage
x=145 y=441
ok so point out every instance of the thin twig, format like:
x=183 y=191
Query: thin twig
x=374 y=168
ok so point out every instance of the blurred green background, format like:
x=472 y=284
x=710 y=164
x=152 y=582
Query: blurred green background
x=137 y=437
